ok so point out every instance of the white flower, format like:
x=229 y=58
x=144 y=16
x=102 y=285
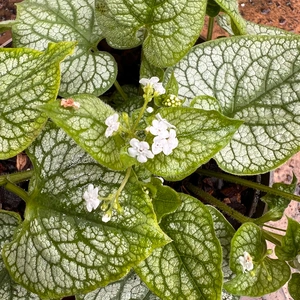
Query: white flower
x=106 y=217
x=246 y=262
x=154 y=83
x=140 y=150
x=160 y=127
x=112 y=124
x=165 y=145
x=172 y=141
x=91 y=197
x=159 y=144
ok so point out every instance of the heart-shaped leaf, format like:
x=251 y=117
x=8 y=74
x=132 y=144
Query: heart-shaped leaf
x=44 y=21
x=86 y=126
x=201 y=134
x=190 y=266
x=253 y=78
x=9 y=290
x=129 y=287
x=267 y=275
x=28 y=79
x=167 y=29
x=73 y=250
x=290 y=244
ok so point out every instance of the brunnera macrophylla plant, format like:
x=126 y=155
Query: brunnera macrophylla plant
x=100 y=221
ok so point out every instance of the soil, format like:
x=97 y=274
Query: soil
x=282 y=14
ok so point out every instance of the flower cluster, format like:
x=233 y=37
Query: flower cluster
x=165 y=136
x=246 y=262
x=172 y=101
x=165 y=141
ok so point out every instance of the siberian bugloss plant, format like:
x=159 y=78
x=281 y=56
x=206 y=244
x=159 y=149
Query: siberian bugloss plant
x=100 y=222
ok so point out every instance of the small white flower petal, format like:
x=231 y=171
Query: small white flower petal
x=112 y=125
x=154 y=83
x=246 y=262
x=106 y=218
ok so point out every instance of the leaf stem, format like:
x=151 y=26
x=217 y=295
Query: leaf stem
x=254 y=185
x=17 y=190
x=16 y=177
x=120 y=90
x=120 y=189
x=210 y=29
x=219 y=204
x=274 y=228
x=272 y=237
x=140 y=115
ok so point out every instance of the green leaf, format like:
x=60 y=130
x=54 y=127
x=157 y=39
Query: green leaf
x=190 y=266
x=172 y=86
x=252 y=28
x=134 y=101
x=254 y=78
x=9 y=290
x=201 y=134
x=44 y=21
x=86 y=126
x=224 y=232
x=71 y=250
x=290 y=244
x=167 y=29
x=166 y=200
x=231 y=7
x=129 y=287
x=206 y=103
x=29 y=78
x=7 y=25
x=212 y=8
x=293 y=286
x=267 y=276
x=276 y=204
x=148 y=70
